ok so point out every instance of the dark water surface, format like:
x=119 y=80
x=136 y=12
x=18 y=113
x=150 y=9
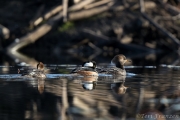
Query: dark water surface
x=147 y=92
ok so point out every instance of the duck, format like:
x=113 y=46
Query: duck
x=38 y=72
x=88 y=68
x=117 y=66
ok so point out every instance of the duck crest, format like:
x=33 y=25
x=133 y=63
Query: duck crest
x=90 y=64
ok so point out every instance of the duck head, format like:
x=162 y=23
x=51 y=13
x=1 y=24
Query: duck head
x=40 y=66
x=91 y=64
x=119 y=61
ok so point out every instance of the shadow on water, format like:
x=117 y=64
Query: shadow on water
x=145 y=93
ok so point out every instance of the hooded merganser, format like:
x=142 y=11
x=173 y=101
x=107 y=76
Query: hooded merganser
x=88 y=69
x=39 y=72
x=118 y=66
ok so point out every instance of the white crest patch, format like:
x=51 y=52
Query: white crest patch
x=88 y=64
x=88 y=86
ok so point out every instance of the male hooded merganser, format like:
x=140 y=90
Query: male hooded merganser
x=88 y=69
x=39 y=72
x=118 y=66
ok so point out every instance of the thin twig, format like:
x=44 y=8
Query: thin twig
x=97 y=4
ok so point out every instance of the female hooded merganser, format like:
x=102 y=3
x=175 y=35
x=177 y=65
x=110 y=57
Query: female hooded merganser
x=87 y=69
x=118 y=66
x=39 y=72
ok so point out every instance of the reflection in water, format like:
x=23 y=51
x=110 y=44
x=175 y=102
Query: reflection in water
x=119 y=88
x=89 y=82
x=155 y=93
x=41 y=85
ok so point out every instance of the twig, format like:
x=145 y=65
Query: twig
x=142 y=9
x=89 y=12
x=65 y=9
x=47 y=15
x=97 y=4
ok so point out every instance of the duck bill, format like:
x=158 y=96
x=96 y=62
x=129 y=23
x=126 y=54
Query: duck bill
x=128 y=61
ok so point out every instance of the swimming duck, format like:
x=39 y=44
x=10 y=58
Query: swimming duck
x=117 y=66
x=88 y=69
x=39 y=72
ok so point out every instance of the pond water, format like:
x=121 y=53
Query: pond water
x=147 y=92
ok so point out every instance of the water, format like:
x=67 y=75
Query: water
x=147 y=92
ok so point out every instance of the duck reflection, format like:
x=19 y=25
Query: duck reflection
x=119 y=88
x=89 y=82
x=37 y=84
x=41 y=85
x=116 y=83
